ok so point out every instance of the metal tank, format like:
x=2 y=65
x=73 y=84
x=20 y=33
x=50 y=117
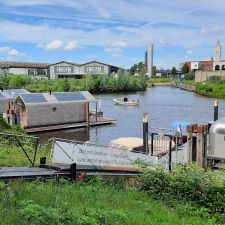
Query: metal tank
x=216 y=148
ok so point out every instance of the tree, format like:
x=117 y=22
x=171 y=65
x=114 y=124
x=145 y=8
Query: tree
x=133 y=69
x=174 y=71
x=185 y=69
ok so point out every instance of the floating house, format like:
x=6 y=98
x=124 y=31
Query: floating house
x=46 y=109
x=7 y=97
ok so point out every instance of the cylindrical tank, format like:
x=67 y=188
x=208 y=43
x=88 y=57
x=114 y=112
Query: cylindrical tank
x=217 y=139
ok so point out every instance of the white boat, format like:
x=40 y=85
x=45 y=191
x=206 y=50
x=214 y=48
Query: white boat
x=125 y=101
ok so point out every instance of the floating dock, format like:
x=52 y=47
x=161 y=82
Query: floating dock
x=105 y=120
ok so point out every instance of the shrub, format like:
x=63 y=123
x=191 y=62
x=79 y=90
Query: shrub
x=187 y=184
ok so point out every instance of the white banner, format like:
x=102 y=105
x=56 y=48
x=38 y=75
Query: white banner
x=94 y=155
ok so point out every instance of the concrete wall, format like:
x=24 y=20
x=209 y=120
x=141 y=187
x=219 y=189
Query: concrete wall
x=201 y=76
x=23 y=71
x=53 y=114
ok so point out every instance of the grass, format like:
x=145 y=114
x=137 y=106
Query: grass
x=161 y=80
x=86 y=203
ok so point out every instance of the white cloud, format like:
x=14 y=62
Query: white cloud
x=11 y=52
x=71 y=46
x=14 y=52
x=5 y=49
x=189 y=52
x=59 y=45
x=120 y=44
x=163 y=41
x=218 y=29
x=113 y=51
x=53 y=45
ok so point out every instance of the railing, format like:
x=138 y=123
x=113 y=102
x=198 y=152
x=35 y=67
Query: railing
x=21 y=142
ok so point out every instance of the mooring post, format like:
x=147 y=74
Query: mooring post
x=216 y=111
x=42 y=160
x=170 y=155
x=73 y=171
x=152 y=144
x=145 y=132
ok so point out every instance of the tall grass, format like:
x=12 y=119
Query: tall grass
x=92 y=83
x=86 y=203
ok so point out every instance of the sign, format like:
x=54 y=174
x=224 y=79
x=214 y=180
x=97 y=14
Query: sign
x=63 y=69
x=94 y=69
x=95 y=155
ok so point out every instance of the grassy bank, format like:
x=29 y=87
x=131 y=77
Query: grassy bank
x=161 y=80
x=94 y=84
x=88 y=203
x=186 y=196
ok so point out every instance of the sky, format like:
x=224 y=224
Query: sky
x=116 y=32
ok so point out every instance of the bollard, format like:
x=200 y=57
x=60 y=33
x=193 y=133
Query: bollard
x=73 y=171
x=42 y=160
x=145 y=133
x=216 y=112
x=170 y=155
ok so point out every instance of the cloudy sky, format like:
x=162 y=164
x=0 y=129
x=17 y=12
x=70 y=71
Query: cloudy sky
x=112 y=31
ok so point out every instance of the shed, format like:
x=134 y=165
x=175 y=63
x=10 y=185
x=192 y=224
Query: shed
x=45 y=109
x=7 y=96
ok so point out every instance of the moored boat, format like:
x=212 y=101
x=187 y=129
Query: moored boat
x=125 y=101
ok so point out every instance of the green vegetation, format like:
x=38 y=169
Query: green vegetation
x=214 y=89
x=185 y=69
x=10 y=152
x=190 y=185
x=92 y=83
x=92 y=202
x=161 y=80
x=187 y=196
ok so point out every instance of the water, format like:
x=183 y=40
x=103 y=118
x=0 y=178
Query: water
x=164 y=105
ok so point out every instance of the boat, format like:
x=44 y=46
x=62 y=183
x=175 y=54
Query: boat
x=125 y=101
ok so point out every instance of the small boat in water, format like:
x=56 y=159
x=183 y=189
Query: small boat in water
x=125 y=101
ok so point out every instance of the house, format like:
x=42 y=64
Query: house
x=46 y=109
x=7 y=98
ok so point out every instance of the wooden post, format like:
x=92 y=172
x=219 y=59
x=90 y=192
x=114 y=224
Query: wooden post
x=87 y=113
x=170 y=155
x=96 y=111
x=216 y=112
x=145 y=133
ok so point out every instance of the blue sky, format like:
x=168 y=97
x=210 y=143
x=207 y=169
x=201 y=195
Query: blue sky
x=112 y=31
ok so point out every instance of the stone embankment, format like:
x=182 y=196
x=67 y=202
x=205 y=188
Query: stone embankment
x=187 y=87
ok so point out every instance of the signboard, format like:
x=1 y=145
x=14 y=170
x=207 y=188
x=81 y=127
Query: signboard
x=63 y=69
x=94 y=69
x=94 y=155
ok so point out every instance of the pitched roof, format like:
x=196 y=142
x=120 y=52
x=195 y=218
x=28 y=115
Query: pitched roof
x=57 y=97
x=13 y=64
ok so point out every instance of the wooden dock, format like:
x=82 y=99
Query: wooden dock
x=100 y=121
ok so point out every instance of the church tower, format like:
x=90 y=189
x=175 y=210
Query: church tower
x=217 y=57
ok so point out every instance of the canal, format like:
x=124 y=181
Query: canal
x=164 y=105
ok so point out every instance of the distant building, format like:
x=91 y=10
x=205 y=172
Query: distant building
x=57 y=70
x=215 y=63
x=73 y=70
x=150 y=59
x=24 y=68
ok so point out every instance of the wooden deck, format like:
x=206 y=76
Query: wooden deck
x=100 y=121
